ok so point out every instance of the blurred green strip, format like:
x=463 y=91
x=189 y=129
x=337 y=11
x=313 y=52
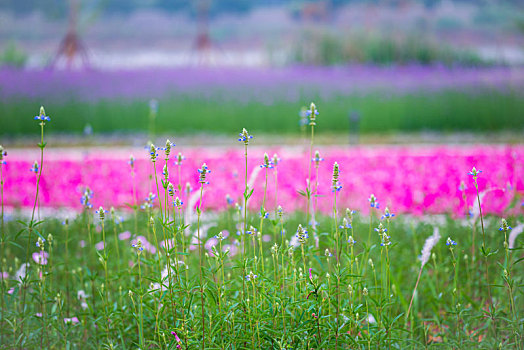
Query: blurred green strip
x=441 y=111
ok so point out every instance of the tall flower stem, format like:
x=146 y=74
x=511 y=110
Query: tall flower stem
x=42 y=304
x=308 y=192
x=455 y=291
x=484 y=252
x=68 y=287
x=243 y=235
x=32 y=225
x=116 y=236
x=312 y=114
x=158 y=192
x=106 y=287
x=201 y=267
x=2 y=237
x=261 y=226
x=367 y=316
x=135 y=204
x=315 y=195
x=141 y=317
x=337 y=256
x=509 y=281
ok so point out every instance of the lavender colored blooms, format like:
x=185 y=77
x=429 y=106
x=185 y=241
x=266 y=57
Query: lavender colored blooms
x=248 y=84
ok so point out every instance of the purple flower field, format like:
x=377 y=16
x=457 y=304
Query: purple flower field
x=262 y=85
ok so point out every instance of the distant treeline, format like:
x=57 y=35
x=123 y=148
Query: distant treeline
x=59 y=8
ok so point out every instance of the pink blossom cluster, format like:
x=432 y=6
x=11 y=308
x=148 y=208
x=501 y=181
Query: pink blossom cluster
x=416 y=180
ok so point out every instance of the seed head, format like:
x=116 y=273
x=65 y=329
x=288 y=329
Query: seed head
x=381 y=229
x=148 y=201
x=167 y=149
x=387 y=214
x=40 y=243
x=220 y=236
x=345 y=224
x=35 y=167
x=42 y=117
x=178 y=203
x=139 y=249
x=475 y=173
x=349 y=215
x=101 y=213
x=504 y=226
x=179 y=159
x=244 y=136
x=152 y=152
x=251 y=277
x=171 y=189
x=335 y=187
x=450 y=243
x=301 y=235
x=373 y=203
x=203 y=171
x=312 y=113
x=267 y=163
x=385 y=240
x=275 y=160
x=3 y=153
x=317 y=159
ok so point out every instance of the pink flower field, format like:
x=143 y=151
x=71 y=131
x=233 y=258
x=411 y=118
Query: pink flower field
x=416 y=180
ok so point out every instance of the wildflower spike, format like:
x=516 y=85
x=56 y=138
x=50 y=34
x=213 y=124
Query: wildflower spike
x=312 y=113
x=244 y=136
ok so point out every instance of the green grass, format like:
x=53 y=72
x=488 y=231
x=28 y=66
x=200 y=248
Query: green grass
x=444 y=111
x=278 y=314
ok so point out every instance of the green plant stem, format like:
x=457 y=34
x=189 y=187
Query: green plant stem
x=32 y=224
x=367 y=316
x=201 y=267
x=484 y=253
x=243 y=236
x=2 y=257
x=116 y=239
x=158 y=194
x=106 y=287
x=337 y=256
x=141 y=318
x=308 y=194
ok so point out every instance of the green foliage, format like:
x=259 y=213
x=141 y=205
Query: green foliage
x=268 y=315
x=12 y=56
x=333 y=49
x=485 y=110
